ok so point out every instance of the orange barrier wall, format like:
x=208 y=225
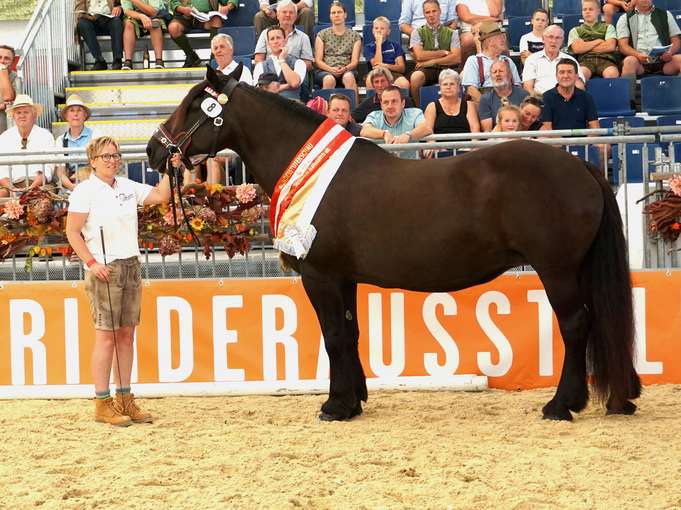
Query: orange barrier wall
x=265 y=330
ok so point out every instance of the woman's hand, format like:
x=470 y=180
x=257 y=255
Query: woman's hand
x=101 y=271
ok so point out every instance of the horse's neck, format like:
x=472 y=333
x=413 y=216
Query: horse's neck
x=268 y=139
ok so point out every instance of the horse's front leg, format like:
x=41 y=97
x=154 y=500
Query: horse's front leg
x=327 y=297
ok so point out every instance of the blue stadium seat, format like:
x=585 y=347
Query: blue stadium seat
x=244 y=39
x=634 y=161
x=429 y=94
x=327 y=93
x=616 y=17
x=672 y=120
x=668 y=5
x=580 y=152
x=141 y=173
x=632 y=120
x=571 y=21
x=517 y=27
x=243 y=16
x=661 y=95
x=566 y=7
x=611 y=96
x=324 y=6
x=388 y=8
x=677 y=14
x=368 y=35
x=521 y=7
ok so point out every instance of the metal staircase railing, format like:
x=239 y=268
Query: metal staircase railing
x=49 y=45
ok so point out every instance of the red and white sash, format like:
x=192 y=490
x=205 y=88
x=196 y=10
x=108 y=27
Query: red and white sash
x=301 y=187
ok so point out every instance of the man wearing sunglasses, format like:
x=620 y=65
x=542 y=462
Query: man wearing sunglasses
x=24 y=136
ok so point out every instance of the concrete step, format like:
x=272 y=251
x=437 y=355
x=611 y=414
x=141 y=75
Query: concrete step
x=137 y=76
x=120 y=111
x=147 y=95
x=122 y=130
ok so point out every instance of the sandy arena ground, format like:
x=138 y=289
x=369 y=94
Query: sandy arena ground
x=408 y=450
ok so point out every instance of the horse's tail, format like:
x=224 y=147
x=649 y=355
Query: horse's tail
x=606 y=284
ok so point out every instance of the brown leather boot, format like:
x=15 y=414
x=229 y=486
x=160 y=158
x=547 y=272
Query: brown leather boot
x=129 y=407
x=107 y=411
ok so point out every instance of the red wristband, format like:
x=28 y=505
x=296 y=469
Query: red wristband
x=90 y=262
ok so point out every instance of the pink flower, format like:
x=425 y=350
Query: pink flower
x=14 y=209
x=168 y=217
x=245 y=193
x=675 y=185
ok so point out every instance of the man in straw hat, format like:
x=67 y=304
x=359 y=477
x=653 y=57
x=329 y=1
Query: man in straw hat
x=75 y=112
x=476 y=75
x=25 y=135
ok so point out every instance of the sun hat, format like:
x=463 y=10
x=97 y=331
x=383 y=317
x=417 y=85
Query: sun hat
x=74 y=100
x=488 y=29
x=25 y=100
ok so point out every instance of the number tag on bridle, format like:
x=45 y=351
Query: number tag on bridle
x=211 y=107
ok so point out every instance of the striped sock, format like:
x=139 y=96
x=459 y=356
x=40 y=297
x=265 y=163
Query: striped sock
x=123 y=391
x=102 y=395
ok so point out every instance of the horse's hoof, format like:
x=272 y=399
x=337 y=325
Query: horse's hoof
x=329 y=417
x=628 y=409
x=553 y=411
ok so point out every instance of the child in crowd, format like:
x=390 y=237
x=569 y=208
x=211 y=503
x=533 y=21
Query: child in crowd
x=532 y=42
x=594 y=43
x=390 y=57
x=509 y=118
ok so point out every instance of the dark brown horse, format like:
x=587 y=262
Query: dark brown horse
x=437 y=226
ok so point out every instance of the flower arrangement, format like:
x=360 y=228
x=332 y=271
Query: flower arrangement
x=219 y=215
x=664 y=215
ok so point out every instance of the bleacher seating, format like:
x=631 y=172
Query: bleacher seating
x=611 y=96
x=517 y=27
x=671 y=120
x=388 y=8
x=372 y=92
x=668 y=5
x=633 y=151
x=661 y=95
x=516 y=8
x=571 y=21
x=368 y=35
x=428 y=94
x=324 y=6
x=244 y=39
x=243 y=16
x=566 y=7
x=327 y=93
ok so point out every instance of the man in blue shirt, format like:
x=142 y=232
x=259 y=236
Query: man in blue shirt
x=394 y=123
x=566 y=106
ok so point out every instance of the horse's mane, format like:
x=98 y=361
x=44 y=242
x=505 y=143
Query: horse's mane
x=280 y=101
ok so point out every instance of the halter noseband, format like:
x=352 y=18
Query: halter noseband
x=212 y=108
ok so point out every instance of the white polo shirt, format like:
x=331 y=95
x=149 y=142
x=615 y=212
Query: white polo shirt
x=38 y=139
x=115 y=210
x=542 y=70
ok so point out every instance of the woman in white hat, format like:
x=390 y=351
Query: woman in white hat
x=25 y=135
x=75 y=112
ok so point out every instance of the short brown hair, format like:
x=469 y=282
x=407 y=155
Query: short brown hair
x=340 y=97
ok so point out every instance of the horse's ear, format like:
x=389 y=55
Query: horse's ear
x=212 y=76
x=236 y=74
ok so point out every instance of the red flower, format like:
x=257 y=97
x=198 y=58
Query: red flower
x=676 y=226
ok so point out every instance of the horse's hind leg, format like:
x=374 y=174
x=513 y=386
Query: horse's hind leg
x=339 y=327
x=572 y=393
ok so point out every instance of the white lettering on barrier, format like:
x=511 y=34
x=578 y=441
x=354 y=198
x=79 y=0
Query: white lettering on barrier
x=164 y=306
x=499 y=340
x=440 y=334
x=322 y=361
x=223 y=336
x=71 y=352
x=545 y=325
x=20 y=340
x=271 y=336
x=397 y=357
x=641 y=364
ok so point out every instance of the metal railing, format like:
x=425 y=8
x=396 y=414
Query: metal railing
x=263 y=260
x=49 y=44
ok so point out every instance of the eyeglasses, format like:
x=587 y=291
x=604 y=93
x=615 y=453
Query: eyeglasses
x=109 y=157
x=24 y=143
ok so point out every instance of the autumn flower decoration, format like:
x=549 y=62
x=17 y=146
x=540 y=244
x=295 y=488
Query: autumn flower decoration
x=664 y=215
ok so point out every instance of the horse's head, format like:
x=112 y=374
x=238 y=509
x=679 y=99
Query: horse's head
x=195 y=127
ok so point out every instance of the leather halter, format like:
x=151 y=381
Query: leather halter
x=173 y=146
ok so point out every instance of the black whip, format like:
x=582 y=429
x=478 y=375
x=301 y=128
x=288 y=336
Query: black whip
x=113 y=328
